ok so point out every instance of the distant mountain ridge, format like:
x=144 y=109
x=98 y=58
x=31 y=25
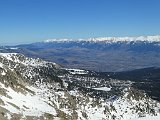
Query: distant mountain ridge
x=108 y=54
x=155 y=38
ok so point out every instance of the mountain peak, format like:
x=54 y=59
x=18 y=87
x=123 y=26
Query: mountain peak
x=155 y=38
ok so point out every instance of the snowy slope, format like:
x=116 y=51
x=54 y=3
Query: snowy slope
x=148 y=118
x=20 y=77
x=27 y=104
x=17 y=58
x=30 y=89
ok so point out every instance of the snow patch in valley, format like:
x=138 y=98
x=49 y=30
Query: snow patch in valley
x=3 y=73
x=103 y=88
x=76 y=71
x=13 y=48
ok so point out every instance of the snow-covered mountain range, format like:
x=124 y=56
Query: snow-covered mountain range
x=149 y=39
x=106 y=54
x=33 y=89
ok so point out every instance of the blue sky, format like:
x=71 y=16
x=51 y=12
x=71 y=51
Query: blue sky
x=26 y=21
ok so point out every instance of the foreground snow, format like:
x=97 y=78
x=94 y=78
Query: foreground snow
x=148 y=118
x=44 y=95
x=27 y=104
